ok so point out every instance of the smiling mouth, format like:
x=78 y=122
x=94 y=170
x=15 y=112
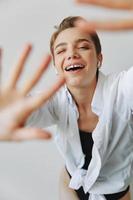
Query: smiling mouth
x=74 y=67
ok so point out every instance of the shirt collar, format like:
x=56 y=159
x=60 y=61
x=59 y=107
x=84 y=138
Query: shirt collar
x=69 y=96
x=97 y=101
x=71 y=101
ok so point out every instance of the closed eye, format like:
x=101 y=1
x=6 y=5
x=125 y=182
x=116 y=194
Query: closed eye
x=84 y=47
x=60 y=51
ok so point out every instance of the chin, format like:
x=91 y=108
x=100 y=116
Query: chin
x=75 y=83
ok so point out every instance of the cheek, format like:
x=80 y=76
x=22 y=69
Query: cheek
x=58 y=64
x=59 y=61
x=92 y=58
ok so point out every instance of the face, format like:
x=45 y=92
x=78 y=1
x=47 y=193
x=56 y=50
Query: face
x=75 y=57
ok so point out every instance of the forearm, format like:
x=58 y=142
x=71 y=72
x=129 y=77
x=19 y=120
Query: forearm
x=65 y=192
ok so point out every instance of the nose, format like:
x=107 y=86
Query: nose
x=72 y=54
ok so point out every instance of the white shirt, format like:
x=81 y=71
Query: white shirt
x=111 y=166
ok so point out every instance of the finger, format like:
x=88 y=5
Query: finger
x=117 y=4
x=30 y=104
x=24 y=134
x=36 y=102
x=116 y=25
x=30 y=84
x=16 y=72
x=5 y=137
x=30 y=134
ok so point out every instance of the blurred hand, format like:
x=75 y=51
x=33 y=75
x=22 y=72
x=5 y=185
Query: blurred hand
x=15 y=107
x=109 y=25
x=115 y=4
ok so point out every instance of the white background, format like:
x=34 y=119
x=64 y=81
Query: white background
x=30 y=170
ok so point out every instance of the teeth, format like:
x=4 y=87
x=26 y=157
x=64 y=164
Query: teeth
x=74 y=66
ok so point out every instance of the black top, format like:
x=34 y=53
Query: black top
x=87 y=145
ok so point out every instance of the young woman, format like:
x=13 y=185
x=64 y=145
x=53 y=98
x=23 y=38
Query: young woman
x=93 y=114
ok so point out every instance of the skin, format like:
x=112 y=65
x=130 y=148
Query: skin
x=109 y=25
x=65 y=192
x=15 y=107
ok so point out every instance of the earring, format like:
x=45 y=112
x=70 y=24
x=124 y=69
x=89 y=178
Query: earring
x=98 y=65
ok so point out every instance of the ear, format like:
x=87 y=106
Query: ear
x=100 y=59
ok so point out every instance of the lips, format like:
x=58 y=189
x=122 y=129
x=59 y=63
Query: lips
x=74 y=67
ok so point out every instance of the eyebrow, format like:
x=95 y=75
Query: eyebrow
x=83 y=40
x=76 y=41
x=60 y=44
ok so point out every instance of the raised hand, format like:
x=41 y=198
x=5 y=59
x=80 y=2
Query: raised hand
x=109 y=25
x=115 y=4
x=15 y=107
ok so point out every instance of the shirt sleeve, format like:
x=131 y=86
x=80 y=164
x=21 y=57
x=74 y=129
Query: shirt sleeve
x=43 y=117
x=128 y=87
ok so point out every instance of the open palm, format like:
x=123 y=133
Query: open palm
x=15 y=107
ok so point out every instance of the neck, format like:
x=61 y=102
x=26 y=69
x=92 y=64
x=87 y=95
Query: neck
x=83 y=95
